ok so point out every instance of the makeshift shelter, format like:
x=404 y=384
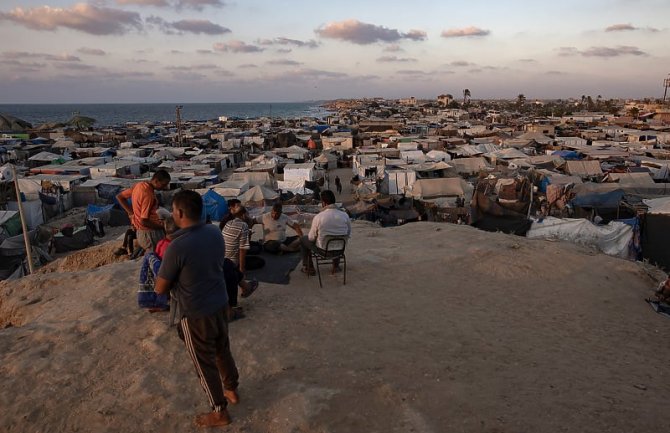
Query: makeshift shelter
x=440 y=187
x=258 y=194
x=612 y=239
x=231 y=188
x=583 y=169
x=215 y=206
x=397 y=182
x=10 y=224
x=469 y=166
x=299 y=172
x=254 y=178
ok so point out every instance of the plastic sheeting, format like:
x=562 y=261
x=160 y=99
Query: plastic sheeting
x=612 y=239
x=214 y=206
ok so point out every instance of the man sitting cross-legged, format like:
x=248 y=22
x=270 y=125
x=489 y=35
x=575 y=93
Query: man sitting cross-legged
x=274 y=231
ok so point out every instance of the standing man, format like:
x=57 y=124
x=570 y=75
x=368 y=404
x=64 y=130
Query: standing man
x=329 y=222
x=338 y=184
x=192 y=270
x=274 y=231
x=143 y=215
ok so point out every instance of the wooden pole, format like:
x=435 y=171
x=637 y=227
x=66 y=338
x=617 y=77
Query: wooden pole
x=29 y=253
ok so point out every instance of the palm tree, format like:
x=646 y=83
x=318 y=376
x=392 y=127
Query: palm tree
x=466 y=95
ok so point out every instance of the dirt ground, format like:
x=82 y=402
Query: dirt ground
x=440 y=328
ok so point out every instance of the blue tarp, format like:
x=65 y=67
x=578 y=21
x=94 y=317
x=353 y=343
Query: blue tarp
x=214 y=206
x=94 y=211
x=568 y=155
x=320 y=128
x=607 y=200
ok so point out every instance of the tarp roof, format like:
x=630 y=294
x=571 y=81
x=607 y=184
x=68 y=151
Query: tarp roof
x=583 y=168
x=430 y=188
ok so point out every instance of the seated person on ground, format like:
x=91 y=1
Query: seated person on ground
x=170 y=228
x=330 y=222
x=236 y=238
x=274 y=231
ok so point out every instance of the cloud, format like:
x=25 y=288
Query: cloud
x=389 y=59
x=284 y=50
x=237 y=47
x=204 y=52
x=51 y=57
x=528 y=60
x=187 y=26
x=188 y=76
x=19 y=66
x=75 y=66
x=91 y=51
x=198 y=4
x=283 y=62
x=360 y=33
x=287 y=41
x=95 y=20
x=567 y=51
x=158 y=3
x=620 y=28
x=556 y=73
x=465 y=32
x=412 y=72
x=395 y=48
x=247 y=66
x=622 y=50
x=461 y=63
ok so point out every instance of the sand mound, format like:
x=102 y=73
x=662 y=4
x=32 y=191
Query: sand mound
x=86 y=259
x=439 y=328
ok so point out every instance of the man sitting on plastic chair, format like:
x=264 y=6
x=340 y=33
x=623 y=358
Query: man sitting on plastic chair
x=330 y=222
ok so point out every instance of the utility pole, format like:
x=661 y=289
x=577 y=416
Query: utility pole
x=666 y=84
x=180 y=138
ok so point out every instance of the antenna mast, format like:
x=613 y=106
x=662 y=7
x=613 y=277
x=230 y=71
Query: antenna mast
x=666 y=84
x=180 y=137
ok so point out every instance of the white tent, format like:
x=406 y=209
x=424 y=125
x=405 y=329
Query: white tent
x=258 y=193
x=299 y=172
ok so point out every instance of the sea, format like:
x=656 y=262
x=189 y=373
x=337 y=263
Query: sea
x=119 y=114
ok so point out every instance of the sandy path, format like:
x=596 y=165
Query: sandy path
x=440 y=328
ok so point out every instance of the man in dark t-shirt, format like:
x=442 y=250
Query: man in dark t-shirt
x=192 y=270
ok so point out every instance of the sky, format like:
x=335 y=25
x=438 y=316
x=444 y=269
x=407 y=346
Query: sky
x=115 y=51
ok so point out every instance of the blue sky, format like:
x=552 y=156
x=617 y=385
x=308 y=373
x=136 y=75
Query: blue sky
x=257 y=50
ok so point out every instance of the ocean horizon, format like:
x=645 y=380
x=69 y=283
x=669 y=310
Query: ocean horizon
x=110 y=114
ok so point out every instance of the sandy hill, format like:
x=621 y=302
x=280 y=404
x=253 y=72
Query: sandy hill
x=440 y=328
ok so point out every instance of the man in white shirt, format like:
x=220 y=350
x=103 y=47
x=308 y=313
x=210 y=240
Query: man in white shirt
x=275 y=223
x=331 y=221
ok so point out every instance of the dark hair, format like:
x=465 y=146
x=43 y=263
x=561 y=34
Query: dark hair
x=240 y=212
x=162 y=176
x=232 y=202
x=277 y=207
x=189 y=202
x=327 y=196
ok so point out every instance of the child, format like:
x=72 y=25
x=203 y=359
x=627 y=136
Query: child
x=170 y=227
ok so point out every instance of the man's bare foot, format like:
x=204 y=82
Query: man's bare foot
x=231 y=395
x=213 y=419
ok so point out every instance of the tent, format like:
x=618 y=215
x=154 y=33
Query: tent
x=299 y=172
x=583 y=168
x=440 y=187
x=214 y=206
x=612 y=239
x=257 y=194
x=469 y=166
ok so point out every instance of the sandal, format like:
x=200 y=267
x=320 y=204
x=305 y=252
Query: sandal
x=253 y=285
x=120 y=252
